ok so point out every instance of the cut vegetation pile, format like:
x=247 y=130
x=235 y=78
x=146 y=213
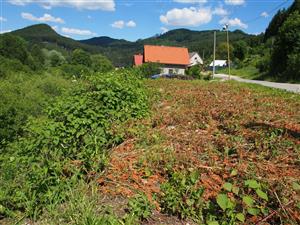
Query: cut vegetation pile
x=216 y=153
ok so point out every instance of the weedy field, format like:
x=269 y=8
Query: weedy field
x=213 y=153
x=207 y=153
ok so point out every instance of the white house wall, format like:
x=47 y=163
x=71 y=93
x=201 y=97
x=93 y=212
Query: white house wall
x=177 y=70
x=195 y=60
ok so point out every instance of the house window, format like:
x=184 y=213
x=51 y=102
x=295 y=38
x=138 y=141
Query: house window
x=171 y=71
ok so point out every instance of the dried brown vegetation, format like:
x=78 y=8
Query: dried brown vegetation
x=215 y=128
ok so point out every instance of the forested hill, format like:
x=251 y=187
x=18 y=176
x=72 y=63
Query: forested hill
x=120 y=51
x=45 y=35
x=200 y=41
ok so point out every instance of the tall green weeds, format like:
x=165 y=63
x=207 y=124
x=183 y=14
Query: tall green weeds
x=69 y=143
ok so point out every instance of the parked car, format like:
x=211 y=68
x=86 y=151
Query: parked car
x=172 y=76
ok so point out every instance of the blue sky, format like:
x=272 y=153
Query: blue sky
x=131 y=20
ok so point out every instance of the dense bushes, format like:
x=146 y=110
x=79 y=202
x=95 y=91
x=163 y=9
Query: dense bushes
x=24 y=95
x=14 y=47
x=101 y=63
x=285 y=57
x=148 y=69
x=16 y=51
x=194 y=71
x=69 y=141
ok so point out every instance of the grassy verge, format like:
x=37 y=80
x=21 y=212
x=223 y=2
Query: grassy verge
x=249 y=72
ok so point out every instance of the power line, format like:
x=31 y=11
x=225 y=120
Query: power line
x=270 y=11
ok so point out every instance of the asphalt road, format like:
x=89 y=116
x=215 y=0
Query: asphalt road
x=285 y=86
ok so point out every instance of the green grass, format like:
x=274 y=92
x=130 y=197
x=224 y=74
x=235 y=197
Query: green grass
x=249 y=72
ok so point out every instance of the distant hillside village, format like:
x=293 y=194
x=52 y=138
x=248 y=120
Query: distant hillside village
x=171 y=60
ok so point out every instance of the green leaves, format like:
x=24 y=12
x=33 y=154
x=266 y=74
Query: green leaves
x=251 y=204
x=257 y=187
x=262 y=194
x=213 y=223
x=296 y=186
x=227 y=186
x=248 y=200
x=234 y=172
x=252 y=184
x=182 y=196
x=253 y=211
x=71 y=140
x=224 y=202
x=140 y=207
x=194 y=176
x=240 y=217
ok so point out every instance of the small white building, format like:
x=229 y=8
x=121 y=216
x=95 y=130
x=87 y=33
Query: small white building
x=219 y=63
x=195 y=59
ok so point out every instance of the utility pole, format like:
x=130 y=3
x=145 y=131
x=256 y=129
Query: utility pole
x=228 y=53
x=214 y=62
x=228 y=49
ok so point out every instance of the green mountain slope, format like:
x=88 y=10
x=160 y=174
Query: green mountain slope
x=45 y=35
x=120 y=51
x=104 y=41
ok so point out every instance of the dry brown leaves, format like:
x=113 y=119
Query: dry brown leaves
x=202 y=121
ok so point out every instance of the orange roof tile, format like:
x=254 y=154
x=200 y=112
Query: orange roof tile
x=166 y=55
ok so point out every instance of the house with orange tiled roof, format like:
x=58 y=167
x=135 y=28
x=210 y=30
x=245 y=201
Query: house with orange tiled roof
x=172 y=60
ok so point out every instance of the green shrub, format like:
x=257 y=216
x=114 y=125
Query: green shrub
x=195 y=71
x=285 y=54
x=25 y=95
x=8 y=67
x=182 y=196
x=69 y=142
x=80 y=57
x=14 y=47
x=139 y=208
x=75 y=71
x=101 y=64
x=53 y=58
x=148 y=69
x=248 y=199
x=263 y=63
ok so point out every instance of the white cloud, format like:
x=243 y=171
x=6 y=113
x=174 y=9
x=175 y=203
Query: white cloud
x=65 y=35
x=4 y=31
x=131 y=23
x=236 y=22
x=44 y=18
x=220 y=11
x=55 y=28
x=118 y=24
x=107 y=5
x=234 y=2
x=75 y=31
x=191 y=1
x=2 y=19
x=264 y=14
x=187 y=17
x=164 y=30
